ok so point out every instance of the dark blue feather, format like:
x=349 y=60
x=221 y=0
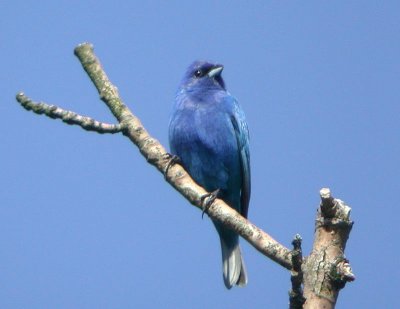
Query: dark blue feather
x=208 y=131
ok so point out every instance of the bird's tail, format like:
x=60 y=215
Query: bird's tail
x=234 y=271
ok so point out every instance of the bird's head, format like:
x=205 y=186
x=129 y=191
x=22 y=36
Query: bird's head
x=203 y=75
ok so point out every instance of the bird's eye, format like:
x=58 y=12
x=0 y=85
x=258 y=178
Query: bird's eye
x=198 y=73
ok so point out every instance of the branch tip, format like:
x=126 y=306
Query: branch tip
x=296 y=298
x=296 y=242
x=83 y=46
x=328 y=203
x=325 y=193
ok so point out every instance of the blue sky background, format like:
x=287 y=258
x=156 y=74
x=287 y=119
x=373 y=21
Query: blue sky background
x=86 y=223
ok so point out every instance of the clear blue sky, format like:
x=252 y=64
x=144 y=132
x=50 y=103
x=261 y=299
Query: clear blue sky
x=86 y=223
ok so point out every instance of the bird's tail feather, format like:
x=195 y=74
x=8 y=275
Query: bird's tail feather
x=234 y=271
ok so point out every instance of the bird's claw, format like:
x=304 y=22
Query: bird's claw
x=173 y=159
x=207 y=200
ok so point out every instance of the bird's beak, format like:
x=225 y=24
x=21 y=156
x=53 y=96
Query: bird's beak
x=215 y=70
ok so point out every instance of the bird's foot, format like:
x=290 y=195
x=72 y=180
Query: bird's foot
x=173 y=159
x=207 y=200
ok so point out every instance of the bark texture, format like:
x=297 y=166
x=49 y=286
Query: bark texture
x=326 y=270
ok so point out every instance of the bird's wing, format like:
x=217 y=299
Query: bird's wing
x=242 y=137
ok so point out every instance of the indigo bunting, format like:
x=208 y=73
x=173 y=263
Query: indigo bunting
x=209 y=133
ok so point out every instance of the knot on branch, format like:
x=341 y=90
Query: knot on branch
x=108 y=92
x=340 y=272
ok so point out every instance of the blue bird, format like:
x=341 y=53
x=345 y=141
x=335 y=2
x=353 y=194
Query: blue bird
x=209 y=133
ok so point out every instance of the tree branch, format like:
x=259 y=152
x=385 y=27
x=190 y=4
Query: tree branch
x=296 y=298
x=68 y=117
x=156 y=155
x=326 y=270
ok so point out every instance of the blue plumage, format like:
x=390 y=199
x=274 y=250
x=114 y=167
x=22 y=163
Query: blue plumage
x=209 y=133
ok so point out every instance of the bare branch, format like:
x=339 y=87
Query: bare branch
x=156 y=155
x=327 y=270
x=296 y=297
x=68 y=117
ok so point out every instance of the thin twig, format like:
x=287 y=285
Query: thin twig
x=296 y=298
x=69 y=117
